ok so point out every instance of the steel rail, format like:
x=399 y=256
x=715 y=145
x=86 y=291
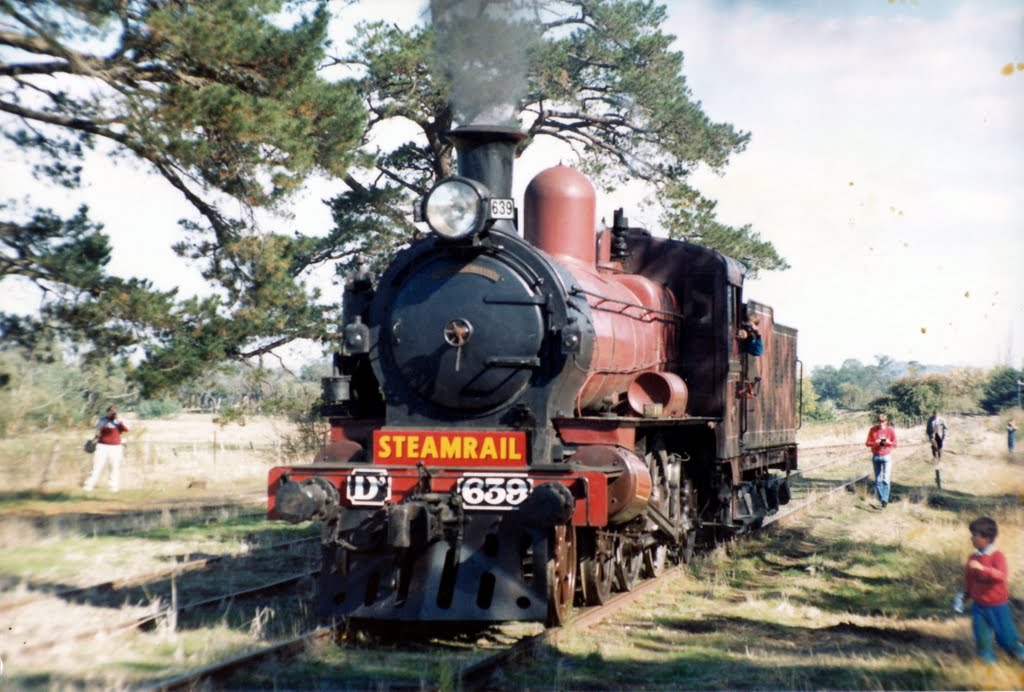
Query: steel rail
x=135 y=579
x=287 y=647
x=133 y=520
x=478 y=675
x=813 y=498
x=138 y=622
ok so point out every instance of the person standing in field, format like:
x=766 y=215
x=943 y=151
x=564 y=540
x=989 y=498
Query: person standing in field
x=882 y=440
x=985 y=585
x=108 y=450
x=1011 y=432
x=936 y=431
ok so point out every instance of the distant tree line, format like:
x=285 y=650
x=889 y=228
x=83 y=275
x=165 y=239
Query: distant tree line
x=908 y=389
x=44 y=389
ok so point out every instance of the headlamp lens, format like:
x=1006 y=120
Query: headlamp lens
x=453 y=209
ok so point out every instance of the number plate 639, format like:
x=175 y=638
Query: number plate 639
x=494 y=491
x=502 y=208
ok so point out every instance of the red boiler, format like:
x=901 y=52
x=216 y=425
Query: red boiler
x=635 y=319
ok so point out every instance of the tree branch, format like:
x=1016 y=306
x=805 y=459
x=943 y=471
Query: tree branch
x=27 y=43
x=80 y=124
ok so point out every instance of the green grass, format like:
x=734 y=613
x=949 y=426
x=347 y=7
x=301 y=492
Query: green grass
x=849 y=597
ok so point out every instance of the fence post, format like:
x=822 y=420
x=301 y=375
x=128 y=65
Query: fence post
x=49 y=465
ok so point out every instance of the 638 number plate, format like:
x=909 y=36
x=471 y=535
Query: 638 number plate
x=500 y=492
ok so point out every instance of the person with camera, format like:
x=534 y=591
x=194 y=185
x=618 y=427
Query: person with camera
x=108 y=450
x=750 y=337
x=882 y=440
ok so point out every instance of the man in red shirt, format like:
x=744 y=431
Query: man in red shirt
x=108 y=449
x=881 y=440
x=985 y=584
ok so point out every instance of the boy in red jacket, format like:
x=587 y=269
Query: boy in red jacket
x=985 y=584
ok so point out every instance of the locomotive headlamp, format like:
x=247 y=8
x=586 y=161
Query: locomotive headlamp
x=460 y=207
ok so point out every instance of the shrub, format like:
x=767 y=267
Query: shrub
x=1000 y=389
x=157 y=408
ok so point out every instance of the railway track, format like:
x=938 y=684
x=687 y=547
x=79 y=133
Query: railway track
x=31 y=527
x=292 y=646
x=789 y=514
x=169 y=611
x=474 y=673
x=181 y=565
x=205 y=591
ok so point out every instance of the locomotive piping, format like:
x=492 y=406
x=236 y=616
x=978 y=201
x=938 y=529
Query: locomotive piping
x=576 y=290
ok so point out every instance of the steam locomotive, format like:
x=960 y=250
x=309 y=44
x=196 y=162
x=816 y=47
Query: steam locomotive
x=518 y=422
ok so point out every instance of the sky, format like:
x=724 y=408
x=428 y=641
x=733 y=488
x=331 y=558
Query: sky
x=886 y=164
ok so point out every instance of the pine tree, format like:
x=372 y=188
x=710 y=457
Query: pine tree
x=598 y=75
x=224 y=101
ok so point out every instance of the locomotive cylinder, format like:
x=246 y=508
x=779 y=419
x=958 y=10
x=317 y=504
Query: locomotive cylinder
x=630 y=490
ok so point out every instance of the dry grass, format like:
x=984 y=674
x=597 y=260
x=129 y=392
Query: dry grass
x=184 y=461
x=164 y=455
x=850 y=597
x=47 y=536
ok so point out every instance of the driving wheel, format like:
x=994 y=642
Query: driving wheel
x=628 y=561
x=597 y=571
x=561 y=573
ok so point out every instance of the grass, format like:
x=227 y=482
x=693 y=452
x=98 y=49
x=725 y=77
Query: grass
x=161 y=457
x=162 y=461
x=850 y=597
x=85 y=560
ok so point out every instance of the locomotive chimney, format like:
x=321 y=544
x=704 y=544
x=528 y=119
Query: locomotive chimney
x=485 y=153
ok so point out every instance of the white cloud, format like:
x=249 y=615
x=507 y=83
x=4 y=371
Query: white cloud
x=886 y=164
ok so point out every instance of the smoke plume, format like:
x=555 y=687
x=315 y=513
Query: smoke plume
x=482 y=51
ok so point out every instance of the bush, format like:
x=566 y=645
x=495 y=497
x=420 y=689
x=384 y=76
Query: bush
x=813 y=408
x=43 y=390
x=918 y=396
x=157 y=408
x=1000 y=389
